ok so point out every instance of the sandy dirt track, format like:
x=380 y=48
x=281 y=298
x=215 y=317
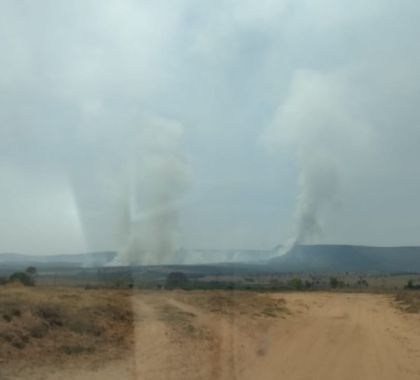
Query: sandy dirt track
x=339 y=336
x=321 y=336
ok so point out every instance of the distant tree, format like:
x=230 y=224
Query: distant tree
x=176 y=280
x=411 y=285
x=22 y=277
x=333 y=282
x=32 y=271
x=296 y=283
x=336 y=283
x=308 y=284
x=362 y=283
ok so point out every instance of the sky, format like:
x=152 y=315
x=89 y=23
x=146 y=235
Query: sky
x=230 y=124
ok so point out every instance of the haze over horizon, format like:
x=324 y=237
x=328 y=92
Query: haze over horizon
x=228 y=124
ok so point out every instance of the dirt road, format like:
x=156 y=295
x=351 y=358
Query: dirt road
x=292 y=336
x=339 y=336
x=325 y=336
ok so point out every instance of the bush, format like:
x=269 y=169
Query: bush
x=308 y=284
x=32 y=271
x=410 y=285
x=336 y=283
x=296 y=283
x=23 y=278
x=362 y=283
x=50 y=313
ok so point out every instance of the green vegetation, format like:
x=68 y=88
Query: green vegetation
x=411 y=285
x=31 y=271
x=336 y=283
x=362 y=283
x=26 y=278
x=296 y=283
x=22 y=277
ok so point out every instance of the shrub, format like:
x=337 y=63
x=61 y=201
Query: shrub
x=296 y=283
x=308 y=284
x=32 y=271
x=333 y=282
x=336 y=283
x=77 y=350
x=362 y=283
x=38 y=330
x=410 y=285
x=22 y=277
x=50 y=313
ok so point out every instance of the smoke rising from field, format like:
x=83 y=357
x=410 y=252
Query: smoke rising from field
x=158 y=178
x=84 y=169
x=315 y=123
x=318 y=186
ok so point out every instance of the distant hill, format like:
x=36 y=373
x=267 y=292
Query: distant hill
x=302 y=258
x=73 y=260
x=348 y=258
x=99 y=259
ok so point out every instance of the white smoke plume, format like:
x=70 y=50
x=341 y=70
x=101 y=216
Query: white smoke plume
x=316 y=124
x=336 y=81
x=158 y=178
x=318 y=188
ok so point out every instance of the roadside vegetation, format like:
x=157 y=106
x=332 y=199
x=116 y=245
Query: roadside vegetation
x=409 y=299
x=50 y=323
x=26 y=278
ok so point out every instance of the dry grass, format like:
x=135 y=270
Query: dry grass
x=85 y=329
x=182 y=322
x=59 y=323
x=247 y=304
x=408 y=301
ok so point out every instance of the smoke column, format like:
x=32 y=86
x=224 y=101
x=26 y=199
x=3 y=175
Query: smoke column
x=158 y=178
x=315 y=125
x=318 y=188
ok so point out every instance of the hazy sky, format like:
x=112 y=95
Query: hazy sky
x=268 y=108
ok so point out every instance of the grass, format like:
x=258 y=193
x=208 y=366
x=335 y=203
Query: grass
x=408 y=301
x=182 y=321
x=40 y=322
x=247 y=304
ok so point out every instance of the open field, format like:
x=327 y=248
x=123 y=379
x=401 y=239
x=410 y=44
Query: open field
x=109 y=334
